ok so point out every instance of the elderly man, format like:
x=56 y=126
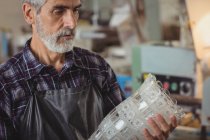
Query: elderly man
x=52 y=91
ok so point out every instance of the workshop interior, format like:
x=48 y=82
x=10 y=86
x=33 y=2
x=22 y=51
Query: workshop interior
x=167 y=38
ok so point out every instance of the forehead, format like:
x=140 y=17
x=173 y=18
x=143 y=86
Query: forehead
x=70 y=3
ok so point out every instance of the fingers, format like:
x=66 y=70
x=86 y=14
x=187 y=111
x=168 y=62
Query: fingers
x=160 y=128
x=173 y=121
x=147 y=135
x=164 y=126
x=157 y=132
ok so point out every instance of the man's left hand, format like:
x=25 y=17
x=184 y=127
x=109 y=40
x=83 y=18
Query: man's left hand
x=160 y=128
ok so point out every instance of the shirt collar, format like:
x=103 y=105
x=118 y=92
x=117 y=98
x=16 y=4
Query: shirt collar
x=33 y=66
x=69 y=59
x=79 y=57
x=73 y=58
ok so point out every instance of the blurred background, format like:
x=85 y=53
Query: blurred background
x=168 y=38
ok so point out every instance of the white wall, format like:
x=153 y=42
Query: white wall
x=11 y=15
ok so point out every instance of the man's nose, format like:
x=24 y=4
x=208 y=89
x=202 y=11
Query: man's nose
x=70 y=19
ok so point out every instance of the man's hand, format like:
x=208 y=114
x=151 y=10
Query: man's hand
x=160 y=128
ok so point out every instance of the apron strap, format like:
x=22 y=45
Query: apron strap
x=33 y=85
x=108 y=102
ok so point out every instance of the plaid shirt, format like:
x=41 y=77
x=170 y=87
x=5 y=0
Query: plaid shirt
x=16 y=73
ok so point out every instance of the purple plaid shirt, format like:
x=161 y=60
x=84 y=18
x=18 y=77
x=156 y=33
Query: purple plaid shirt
x=16 y=73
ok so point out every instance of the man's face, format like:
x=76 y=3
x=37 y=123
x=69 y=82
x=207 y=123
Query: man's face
x=56 y=24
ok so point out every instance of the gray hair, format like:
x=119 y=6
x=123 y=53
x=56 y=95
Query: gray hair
x=37 y=4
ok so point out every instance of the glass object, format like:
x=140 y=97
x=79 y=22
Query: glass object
x=130 y=117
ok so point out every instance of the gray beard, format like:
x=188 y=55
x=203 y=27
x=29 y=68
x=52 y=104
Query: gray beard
x=50 y=40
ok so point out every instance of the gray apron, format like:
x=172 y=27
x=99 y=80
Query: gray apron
x=65 y=114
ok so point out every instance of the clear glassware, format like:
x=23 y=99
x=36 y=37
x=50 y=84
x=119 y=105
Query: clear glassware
x=129 y=118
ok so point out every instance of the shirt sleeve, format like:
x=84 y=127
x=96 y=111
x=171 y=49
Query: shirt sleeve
x=7 y=131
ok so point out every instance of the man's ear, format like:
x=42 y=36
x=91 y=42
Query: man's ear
x=29 y=13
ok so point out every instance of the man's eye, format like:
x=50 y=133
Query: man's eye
x=76 y=10
x=58 y=11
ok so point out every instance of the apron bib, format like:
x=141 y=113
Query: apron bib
x=65 y=114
